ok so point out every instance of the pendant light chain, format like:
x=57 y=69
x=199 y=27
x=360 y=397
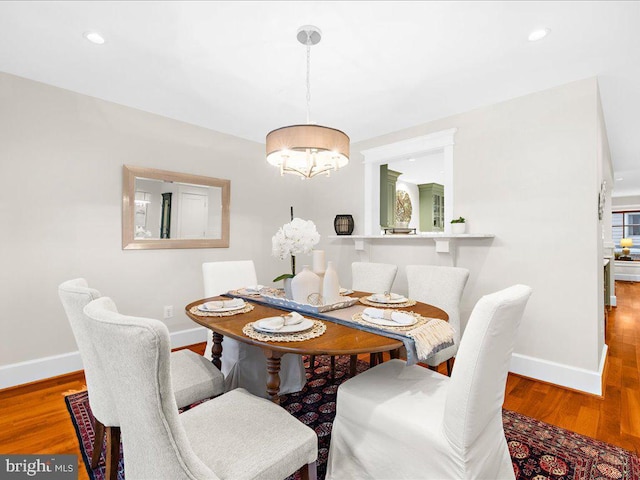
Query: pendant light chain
x=308 y=77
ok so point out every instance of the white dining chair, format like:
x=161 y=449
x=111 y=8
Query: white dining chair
x=245 y=365
x=441 y=287
x=194 y=377
x=399 y=421
x=373 y=277
x=366 y=277
x=235 y=436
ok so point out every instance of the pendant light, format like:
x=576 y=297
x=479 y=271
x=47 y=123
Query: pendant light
x=307 y=150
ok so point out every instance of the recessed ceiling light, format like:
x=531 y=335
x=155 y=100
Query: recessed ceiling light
x=538 y=34
x=94 y=37
x=412 y=159
x=619 y=179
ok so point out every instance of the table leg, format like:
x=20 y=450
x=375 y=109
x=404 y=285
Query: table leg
x=273 y=378
x=216 y=350
x=353 y=364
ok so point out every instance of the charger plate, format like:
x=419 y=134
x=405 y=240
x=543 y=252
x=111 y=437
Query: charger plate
x=408 y=303
x=247 y=308
x=315 y=331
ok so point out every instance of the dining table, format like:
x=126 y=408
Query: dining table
x=339 y=338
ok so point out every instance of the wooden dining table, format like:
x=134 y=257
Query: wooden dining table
x=336 y=340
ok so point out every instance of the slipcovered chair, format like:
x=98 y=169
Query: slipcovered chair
x=398 y=421
x=245 y=365
x=234 y=436
x=194 y=378
x=373 y=277
x=366 y=277
x=441 y=287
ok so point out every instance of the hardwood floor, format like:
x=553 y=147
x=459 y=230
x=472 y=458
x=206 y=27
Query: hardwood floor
x=34 y=418
x=616 y=417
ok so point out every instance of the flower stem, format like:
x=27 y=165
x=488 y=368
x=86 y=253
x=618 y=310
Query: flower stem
x=293 y=264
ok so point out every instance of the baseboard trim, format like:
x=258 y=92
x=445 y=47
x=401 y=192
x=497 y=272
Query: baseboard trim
x=574 y=378
x=40 y=368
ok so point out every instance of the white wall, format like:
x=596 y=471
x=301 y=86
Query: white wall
x=61 y=158
x=527 y=171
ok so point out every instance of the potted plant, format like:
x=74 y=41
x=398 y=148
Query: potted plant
x=294 y=238
x=458 y=225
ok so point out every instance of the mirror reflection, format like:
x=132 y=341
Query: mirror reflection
x=177 y=210
x=412 y=193
x=173 y=210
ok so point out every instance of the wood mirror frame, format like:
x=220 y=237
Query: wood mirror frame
x=129 y=242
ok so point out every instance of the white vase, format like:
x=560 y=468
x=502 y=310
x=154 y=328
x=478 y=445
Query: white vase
x=287 y=288
x=458 y=227
x=304 y=284
x=331 y=285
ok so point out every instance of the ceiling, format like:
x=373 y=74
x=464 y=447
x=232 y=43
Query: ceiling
x=236 y=67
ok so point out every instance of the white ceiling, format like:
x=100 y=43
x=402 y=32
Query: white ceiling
x=236 y=67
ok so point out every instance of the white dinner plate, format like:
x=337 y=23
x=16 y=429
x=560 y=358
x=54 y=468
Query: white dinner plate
x=203 y=308
x=305 y=324
x=387 y=323
x=373 y=298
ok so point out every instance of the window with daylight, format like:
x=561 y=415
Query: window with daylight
x=626 y=225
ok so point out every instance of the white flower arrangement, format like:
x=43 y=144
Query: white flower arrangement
x=294 y=238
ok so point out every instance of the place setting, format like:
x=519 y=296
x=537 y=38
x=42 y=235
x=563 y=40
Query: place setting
x=222 y=308
x=290 y=327
x=387 y=300
x=249 y=291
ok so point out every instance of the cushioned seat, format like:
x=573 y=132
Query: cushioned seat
x=407 y=422
x=273 y=447
x=235 y=436
x=194 y=377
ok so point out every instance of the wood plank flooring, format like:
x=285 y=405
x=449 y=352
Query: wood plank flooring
x=616 y=417
x=34 y=418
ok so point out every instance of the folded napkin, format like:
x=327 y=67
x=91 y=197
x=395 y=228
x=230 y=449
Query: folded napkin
x=276 y=323
x=253 y=288
x=400 y=318
x=218 y=304
x=386 y=297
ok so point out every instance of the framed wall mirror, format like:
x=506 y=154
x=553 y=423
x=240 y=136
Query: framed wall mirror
x=162 y=209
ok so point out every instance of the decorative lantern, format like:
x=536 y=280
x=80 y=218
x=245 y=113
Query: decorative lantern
x=343 y=224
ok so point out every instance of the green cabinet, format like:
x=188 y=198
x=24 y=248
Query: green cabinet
x=431 y=207
x=388 y=180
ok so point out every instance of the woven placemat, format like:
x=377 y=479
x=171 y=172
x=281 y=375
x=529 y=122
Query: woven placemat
x=318 y=329
x=408 y=303
x=357 y=318
x=247 y=308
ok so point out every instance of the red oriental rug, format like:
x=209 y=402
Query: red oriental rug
x=539 y=451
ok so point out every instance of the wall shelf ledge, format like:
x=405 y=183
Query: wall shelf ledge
x=445 y=243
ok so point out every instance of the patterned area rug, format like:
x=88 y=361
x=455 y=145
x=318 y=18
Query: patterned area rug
x=539 y=451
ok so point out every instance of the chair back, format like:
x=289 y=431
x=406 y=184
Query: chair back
x=373 y=277
x=220 y=277
x=441 y=287
x=476 y=391
x=137 y=353
x=75 y=295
